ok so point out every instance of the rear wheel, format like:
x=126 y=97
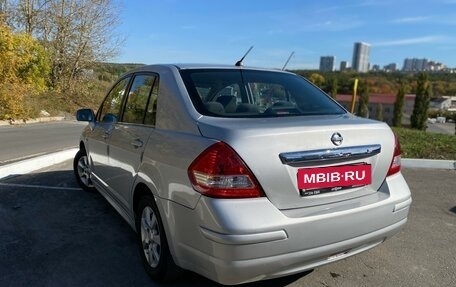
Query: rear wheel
x=154 y=249
x=81 y=168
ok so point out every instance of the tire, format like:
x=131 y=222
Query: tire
x=153 y=245
x=81 y=168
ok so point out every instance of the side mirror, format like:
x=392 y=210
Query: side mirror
x=109 y=118
x=85 y=115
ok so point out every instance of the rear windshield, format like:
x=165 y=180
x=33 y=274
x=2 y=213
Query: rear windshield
x=252 y=93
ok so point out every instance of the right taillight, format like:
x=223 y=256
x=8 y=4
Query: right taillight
x=221 y=173
x=395 y=166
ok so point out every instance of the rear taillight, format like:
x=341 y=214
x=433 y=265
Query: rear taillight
x=395 y=166
x=220 y=172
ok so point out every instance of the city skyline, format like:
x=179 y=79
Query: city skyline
x=360 y=63
x=174 y=31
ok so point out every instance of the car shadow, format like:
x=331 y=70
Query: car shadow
x=53 y=231
x=187 y=278
x=453 y=209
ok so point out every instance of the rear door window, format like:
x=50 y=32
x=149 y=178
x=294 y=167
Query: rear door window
x=141 y=101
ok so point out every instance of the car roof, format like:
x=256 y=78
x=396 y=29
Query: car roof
x=186 y=66
x=217 y=66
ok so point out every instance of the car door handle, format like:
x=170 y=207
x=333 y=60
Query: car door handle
x=137 y=143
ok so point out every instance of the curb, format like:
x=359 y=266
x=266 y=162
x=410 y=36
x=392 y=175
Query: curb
x=39 y=162
x=428 y=163
x=32 y=121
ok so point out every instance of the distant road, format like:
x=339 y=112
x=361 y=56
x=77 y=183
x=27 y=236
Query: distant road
x=25 y=141
x=441 y=128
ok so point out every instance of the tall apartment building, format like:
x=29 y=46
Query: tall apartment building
x=344 y=66
x=327 y=63
x=420 y=65
x=360 y=62
x=390 y=67
x=415 y=65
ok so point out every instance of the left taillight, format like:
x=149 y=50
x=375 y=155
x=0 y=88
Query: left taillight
x=395 y=166
x=221 y=173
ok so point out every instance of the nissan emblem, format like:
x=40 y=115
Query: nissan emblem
x=337 y=139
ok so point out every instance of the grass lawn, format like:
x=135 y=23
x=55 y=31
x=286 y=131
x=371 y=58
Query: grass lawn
x=419 y=144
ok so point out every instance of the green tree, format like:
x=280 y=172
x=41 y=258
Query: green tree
x=77 y=34
x=317 y=79
x=332 y=87
x=399 y=105
x=421 y=106
x=379 y=112
x=363 y=110
x=23 y=73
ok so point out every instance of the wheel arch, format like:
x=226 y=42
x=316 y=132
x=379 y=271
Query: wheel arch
x=82 y=145
x=141 y=189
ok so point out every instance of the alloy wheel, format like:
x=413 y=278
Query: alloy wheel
x=84 y=171
x=150 y=236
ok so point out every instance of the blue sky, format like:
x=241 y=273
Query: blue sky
x=216 y=31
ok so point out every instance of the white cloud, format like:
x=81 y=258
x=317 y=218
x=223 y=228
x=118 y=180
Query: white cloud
x=411 y=41
x=407 y=20
x=333 y=25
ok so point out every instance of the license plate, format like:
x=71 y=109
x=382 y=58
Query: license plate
x=334 y=176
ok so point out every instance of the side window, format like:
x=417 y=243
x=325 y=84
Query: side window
x=138 y=98
x=151 y=111
x=110 y=109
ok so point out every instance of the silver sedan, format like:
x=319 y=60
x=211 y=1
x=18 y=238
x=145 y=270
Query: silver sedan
x=240 y=174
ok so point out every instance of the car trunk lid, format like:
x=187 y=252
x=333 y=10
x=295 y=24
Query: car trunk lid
x=282 y=151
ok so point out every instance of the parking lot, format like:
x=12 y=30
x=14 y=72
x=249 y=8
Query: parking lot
x=54 y=234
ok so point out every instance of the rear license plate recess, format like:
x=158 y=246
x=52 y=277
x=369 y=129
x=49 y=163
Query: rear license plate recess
x=313 y=181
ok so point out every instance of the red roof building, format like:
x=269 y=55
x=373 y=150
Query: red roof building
x=386 y=101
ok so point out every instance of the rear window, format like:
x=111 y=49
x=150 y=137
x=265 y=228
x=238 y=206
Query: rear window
x=252 y=93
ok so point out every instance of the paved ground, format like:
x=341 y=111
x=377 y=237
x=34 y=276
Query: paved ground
x=54 y=234
x=24 y=141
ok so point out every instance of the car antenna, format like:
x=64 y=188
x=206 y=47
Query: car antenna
x=288 y=60
x=239 y=63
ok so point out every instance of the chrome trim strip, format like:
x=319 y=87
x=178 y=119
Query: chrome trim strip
x=336 y=154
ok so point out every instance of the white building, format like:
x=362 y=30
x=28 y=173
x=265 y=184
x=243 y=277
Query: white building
x=360 y=62
x=442 y=103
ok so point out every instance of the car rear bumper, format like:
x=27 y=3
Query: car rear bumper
x=238 y=241
x=243 y=271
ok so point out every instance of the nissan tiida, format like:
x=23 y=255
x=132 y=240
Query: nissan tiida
x=240 y=174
